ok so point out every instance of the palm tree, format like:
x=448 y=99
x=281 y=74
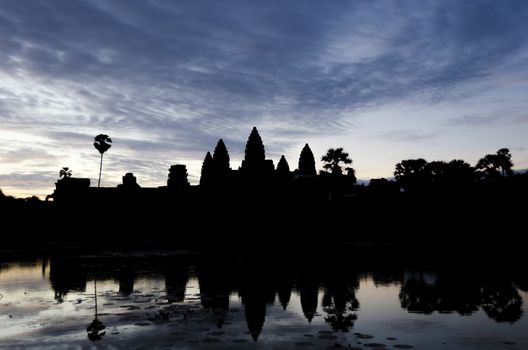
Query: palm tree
x=65 y=173
x=333 y=158
x=102 y=144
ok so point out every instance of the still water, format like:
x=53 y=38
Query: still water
x=189 y=300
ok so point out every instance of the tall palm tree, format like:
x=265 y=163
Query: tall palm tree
x=102 y=144
x=65 y=173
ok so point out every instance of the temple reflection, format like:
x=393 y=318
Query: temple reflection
x=176 y=277
x=326 y=292
x=308 y=289
x=126 y=278
x=215 y=289
x=67 y=275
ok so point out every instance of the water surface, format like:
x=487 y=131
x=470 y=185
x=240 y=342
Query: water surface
x=190 y=300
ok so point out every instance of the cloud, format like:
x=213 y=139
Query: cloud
x=514 y=115
x=407 y=136
x=173 y=77
x=26 y=154
x=471 y=120
x=236 y=63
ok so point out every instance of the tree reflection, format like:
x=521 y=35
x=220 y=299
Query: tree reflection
x=96 y=328
x=340 y=319
x=417 y=296
x=462 y=293
x=340 y=302
x=501 y=302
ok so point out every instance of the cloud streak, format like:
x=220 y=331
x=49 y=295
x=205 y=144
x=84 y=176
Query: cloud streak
x=173 y=77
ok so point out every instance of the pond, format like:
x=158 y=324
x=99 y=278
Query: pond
x=197 y=300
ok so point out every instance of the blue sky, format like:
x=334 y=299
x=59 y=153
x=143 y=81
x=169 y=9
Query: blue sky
x=386 y=80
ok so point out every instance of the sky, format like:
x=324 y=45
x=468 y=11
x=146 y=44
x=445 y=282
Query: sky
x=385 y=80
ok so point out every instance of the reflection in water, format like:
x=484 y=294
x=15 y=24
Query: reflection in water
x=126 y=280
x=462 y=293
x=256 y=290
x=501 y=301
x=309 y=290
x=284 y=289
x=340 y=302
x=154 y=292
x=254 y=301
x=215 y=288
x=96 y=328
x=176 y=277
x=67 y=275
x=257 y=285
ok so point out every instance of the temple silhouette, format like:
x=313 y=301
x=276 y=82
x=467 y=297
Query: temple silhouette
x=256 y=187
x=256 y=174
x=451 y=200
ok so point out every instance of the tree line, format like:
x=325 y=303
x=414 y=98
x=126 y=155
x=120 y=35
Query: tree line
x=415 y=175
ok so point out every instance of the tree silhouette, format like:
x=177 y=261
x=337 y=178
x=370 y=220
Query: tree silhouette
x=283 y=169
x=307 y=162
x=333 y=159
x=447 y=176
x=459 y=172
x=102 y=144
x=65 y=173
x=504 y=162
x=436 y=170
x=207 y=170
x=411 y=173
x=221 y=159
x=492 y=166
x=417 y=174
